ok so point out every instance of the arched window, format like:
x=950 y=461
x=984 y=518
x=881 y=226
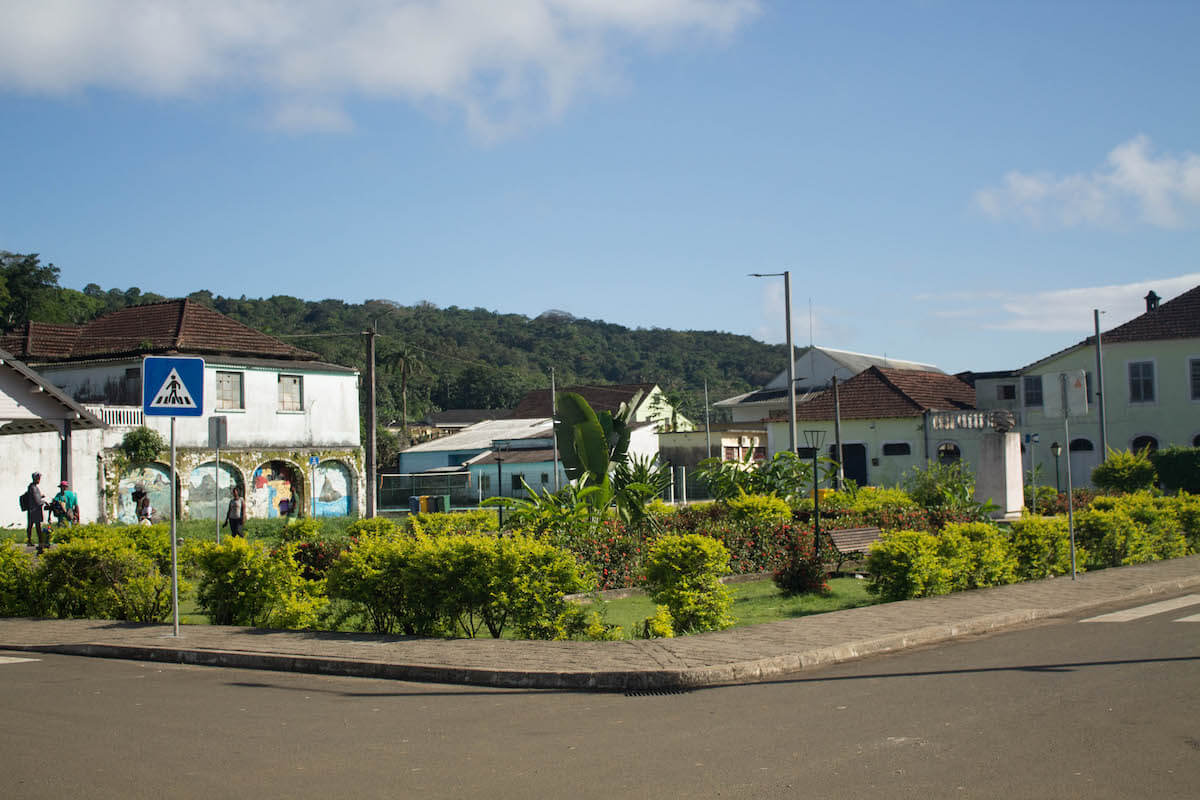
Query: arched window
x=948 y=453
x=1144 y=441
x=1081 y=446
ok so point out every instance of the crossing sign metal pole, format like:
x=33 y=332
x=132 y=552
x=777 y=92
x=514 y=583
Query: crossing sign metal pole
x=173 y=387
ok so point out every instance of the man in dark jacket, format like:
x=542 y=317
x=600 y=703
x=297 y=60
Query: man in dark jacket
x=34 y=503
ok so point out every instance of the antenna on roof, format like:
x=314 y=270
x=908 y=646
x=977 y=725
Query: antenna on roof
x=810 y=324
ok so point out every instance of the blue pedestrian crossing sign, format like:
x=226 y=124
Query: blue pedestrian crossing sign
x=172 y=387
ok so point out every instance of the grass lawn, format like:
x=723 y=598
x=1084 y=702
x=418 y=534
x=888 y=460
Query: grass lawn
x=754 y=602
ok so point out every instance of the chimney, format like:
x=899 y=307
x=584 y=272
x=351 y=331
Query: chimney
x=1151 y=301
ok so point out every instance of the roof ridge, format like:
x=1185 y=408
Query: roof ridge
x=887 y=379
x=183 y=306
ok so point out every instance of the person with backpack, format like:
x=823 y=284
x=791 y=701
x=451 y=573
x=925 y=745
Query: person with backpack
x=65 y=505
x=34 y=503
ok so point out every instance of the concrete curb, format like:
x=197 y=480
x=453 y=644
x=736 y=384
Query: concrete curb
x=742 y=672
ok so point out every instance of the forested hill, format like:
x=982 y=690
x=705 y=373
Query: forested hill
x=445 y=357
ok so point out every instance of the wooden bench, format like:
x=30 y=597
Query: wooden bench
x=852 y=543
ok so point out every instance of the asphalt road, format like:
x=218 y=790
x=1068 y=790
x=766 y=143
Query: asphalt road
x=1061 y=709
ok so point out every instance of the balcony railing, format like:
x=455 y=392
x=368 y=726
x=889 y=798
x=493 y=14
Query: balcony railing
x=960 y=420
x=119 y=416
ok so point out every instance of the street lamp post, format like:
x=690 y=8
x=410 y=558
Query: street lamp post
x=1056 y=449
x=787 y=316
x=500 y=483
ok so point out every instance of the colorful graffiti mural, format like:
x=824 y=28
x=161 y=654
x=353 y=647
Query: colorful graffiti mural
x=333 y=490
x=208 y=491
x=272 y=484
x=158 y=484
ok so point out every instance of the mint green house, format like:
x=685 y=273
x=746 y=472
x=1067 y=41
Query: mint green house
x=1151 y=388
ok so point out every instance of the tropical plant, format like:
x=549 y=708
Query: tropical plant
x=591 y=443
x=636 y=482
x=141 y=445
x=1125 y=471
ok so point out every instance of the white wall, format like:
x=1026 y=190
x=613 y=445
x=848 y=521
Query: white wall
x=330 y=417
x=21 y=455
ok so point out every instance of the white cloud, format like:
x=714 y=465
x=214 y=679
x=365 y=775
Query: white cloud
x=1134 y=185
x=1060 y=310
x=502 y=64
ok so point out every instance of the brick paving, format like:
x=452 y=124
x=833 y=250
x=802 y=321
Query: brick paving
x=740 y=655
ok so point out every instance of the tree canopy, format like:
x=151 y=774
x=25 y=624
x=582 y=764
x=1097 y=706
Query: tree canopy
x=468 y=358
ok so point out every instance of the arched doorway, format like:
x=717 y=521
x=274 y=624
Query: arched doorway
x=157 y=481
x=1084 y=458
x=208 y=490
x=273 y=484
x=334 y=490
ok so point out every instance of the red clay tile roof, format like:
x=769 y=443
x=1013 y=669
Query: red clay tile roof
x=176 y=326
x=536 y=404
x=41 y=340
x=1178 y=318
x=1175 y=319
x=883 y=393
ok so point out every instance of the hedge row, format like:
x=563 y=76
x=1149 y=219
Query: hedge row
x=1113 y=531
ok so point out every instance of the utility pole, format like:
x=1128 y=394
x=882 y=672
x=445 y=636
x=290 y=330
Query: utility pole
x=791 y=368
x=371 y=420
x=1099 y=391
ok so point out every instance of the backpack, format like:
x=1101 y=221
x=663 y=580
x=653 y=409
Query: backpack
x=24 y=501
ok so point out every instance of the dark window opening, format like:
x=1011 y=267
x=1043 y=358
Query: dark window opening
x=1033 y=390
x=1141 y=382
x=897 y=449
x=948 y=453
x=1143 y=443
x=1006 y=391
x=1081 y=446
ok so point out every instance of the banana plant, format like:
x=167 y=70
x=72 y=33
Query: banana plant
x=590 y=445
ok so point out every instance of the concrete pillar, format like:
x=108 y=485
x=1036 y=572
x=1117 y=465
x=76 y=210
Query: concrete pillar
x=998 y=475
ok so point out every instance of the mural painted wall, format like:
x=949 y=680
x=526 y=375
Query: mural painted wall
x=334 y=490
x=209 y=490
x=271 y=485
x=158 y=484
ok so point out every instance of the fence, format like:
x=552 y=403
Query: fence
x=394 y=490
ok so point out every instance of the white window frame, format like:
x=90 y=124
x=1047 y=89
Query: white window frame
x=299 y=392
x=1153 y=382
x=1025 y=380
x=241 y=398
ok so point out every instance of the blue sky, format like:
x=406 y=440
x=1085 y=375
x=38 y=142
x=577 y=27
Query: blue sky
x=958 y=183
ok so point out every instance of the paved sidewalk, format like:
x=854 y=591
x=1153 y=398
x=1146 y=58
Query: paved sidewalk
x=741 y=655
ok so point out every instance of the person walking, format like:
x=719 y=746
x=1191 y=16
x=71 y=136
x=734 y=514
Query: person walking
x=34 y=504
x=235 y=515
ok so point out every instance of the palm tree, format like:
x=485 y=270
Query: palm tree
x=406 y=360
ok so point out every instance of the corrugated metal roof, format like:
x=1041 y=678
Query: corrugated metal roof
x=481 y=435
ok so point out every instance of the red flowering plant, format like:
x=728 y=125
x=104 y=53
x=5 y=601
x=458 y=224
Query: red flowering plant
x=803 y=569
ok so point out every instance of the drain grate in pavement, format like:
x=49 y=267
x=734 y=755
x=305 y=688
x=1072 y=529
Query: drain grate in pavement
x=654 y=692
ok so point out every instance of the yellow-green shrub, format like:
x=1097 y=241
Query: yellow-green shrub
x=450 y=523
x=1042 y=546
x=759 y=509
x=241 y=583
x=907 y=564
x=20 y=595
x=978 y=554
x=683 y=573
